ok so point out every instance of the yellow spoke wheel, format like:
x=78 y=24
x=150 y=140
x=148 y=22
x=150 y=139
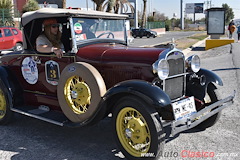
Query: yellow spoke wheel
x=80 y=90
x=3 y=105
x=138 y=130
x=133 y=131
x=77 y=94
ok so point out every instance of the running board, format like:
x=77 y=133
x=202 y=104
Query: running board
x=54 y=117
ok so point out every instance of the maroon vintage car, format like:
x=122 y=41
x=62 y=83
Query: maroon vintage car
x=146 y=90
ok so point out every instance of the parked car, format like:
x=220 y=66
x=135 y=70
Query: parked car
x=10 y=39
x=148 y=91
x=141 y=32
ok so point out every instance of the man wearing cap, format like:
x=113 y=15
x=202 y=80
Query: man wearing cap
x=50 y=39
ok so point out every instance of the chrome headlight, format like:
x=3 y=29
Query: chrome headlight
x=193 y=63
x=161 y=67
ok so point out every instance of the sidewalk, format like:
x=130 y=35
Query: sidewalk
x=199 y=49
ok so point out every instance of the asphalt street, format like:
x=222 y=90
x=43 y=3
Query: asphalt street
x=163 y=38
x=30 y=139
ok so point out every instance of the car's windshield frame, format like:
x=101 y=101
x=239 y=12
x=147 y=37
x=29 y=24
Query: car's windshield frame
x=78 y=25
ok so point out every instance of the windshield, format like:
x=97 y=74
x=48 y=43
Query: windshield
x=86 y=29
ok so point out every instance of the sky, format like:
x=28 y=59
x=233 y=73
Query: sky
x=168 y=7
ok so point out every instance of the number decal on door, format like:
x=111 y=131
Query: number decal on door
x=52 y=72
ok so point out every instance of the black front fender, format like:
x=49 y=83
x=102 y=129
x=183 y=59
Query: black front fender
x=210 y=76
x=150 y=93
x=197 y=85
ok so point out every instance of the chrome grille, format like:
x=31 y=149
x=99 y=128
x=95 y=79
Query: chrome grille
x=174 y=86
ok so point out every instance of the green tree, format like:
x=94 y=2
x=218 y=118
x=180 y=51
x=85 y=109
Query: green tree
x=6 y=4
x=31 y=5
x=99 y=4
x=229 y=15
x=6 y=16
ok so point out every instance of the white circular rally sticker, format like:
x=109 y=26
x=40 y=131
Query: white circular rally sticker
x=29 y=70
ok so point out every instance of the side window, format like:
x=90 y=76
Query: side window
x=7 y=32
x=0 y=33
x=15 y=32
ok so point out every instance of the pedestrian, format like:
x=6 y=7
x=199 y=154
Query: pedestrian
x=50 y=39
x=231 y=28
x=238 y=32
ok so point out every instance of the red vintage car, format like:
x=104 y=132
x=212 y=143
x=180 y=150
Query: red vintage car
x=146 y=90
x=10 y=39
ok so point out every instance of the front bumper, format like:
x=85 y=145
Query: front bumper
x=195 y=119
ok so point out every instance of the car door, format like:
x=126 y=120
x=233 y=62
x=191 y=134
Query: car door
x=145 y=32
x=141 y=32
x=40 y=76
x=1 y=40
x=47 y=70
x=8 y=38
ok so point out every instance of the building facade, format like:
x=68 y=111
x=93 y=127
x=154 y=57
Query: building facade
x=18 y=4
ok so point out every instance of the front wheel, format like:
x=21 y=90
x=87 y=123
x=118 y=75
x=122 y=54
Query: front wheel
x=137 y=129
x=210 y=98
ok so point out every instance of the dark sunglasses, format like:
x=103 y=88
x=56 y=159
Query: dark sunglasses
x=55 y=25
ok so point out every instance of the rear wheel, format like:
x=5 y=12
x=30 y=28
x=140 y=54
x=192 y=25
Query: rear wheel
x=5 y=102
x=210 y=98
x=138 y=129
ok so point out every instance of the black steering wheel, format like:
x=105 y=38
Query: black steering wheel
x=108 y=34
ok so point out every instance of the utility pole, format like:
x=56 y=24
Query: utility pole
x=87 y=4
x=182 y=17
x=135 y=12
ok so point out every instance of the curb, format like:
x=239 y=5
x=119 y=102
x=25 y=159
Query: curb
x=188 y=50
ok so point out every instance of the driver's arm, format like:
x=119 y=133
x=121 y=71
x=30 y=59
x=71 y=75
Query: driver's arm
x=44 y=46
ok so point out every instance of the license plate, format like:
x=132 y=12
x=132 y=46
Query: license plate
x=184 y=108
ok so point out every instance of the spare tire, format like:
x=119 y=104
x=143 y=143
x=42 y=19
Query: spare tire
x=79 y=91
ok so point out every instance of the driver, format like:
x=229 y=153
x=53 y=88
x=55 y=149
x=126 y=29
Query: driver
x=50 y=39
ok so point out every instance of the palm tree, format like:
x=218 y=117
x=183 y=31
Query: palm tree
x=6 y=15
x=116 y=5
x=99 y=4
x=64 y=4
x=144 y=13
x=110 y=5
x=6 y=4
